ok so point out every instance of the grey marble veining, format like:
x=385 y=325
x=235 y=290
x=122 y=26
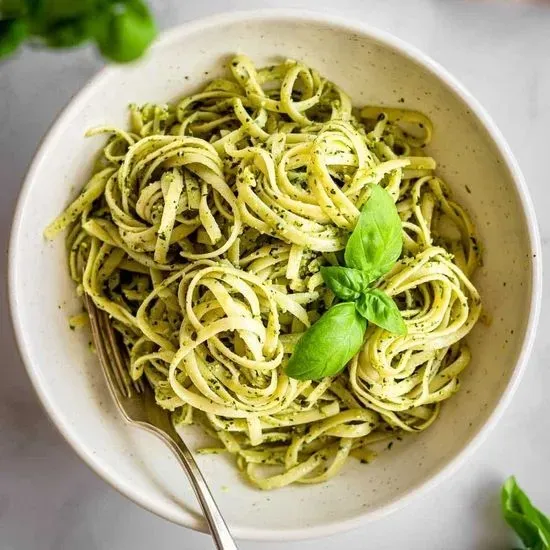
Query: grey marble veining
x=49 y=500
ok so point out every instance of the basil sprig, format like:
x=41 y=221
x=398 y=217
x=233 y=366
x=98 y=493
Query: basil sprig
x=530 y=524
x=346 y=283
x=121 y=29
x=371 y=251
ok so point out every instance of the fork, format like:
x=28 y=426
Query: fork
x=135 y=400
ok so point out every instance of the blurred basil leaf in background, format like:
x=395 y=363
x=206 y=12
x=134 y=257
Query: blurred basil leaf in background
x=124 y=30
x=121 y=29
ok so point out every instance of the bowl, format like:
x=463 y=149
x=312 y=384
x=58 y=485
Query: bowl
x=373 y=67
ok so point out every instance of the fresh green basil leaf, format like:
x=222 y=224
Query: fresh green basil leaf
x=11 y=9
x=125 y=30
x=340 y=257
x=345 y=282
x=328 y=345
x=379 y=308
x=12 y=33
x=52 y=11
x=68 y=33
x=376 y=242
x=33 y=6
x=63 y=23
x=530 y=524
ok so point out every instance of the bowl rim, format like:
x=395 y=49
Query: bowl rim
x=404 y=49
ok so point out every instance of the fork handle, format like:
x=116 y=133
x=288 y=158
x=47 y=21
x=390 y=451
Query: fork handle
x=218 y=528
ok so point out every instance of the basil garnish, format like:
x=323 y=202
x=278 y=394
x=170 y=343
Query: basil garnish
x=346 y=283
x=530 y=524
x=371 y=251
x=323 y=350
x=376 y=242
x=378 y=308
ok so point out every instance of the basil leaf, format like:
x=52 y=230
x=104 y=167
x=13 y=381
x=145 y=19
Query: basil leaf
x=125 y=30
x=345 y=282
x=46 y=16
x=58 y=10
x=531 y=525
x=327 y=346
x=379 y=308
x=376 y=242
x=12 y=33
x=11 y=9
x=68 y=33
x=122 y=29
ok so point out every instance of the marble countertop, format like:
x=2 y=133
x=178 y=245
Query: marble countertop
x=49 y=500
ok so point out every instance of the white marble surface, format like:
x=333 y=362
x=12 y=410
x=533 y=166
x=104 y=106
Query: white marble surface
x=49 y=500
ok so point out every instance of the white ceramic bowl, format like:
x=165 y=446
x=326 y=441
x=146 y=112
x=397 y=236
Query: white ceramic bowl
x=374 y=68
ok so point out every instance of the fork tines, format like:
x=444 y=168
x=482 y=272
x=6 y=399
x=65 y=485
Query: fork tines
x=109 y=351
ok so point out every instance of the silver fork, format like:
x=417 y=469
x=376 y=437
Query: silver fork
x=136 y=402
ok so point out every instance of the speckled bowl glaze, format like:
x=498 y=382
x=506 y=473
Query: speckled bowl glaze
x=374 y=68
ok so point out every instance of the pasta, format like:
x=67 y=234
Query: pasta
x=202 y=233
